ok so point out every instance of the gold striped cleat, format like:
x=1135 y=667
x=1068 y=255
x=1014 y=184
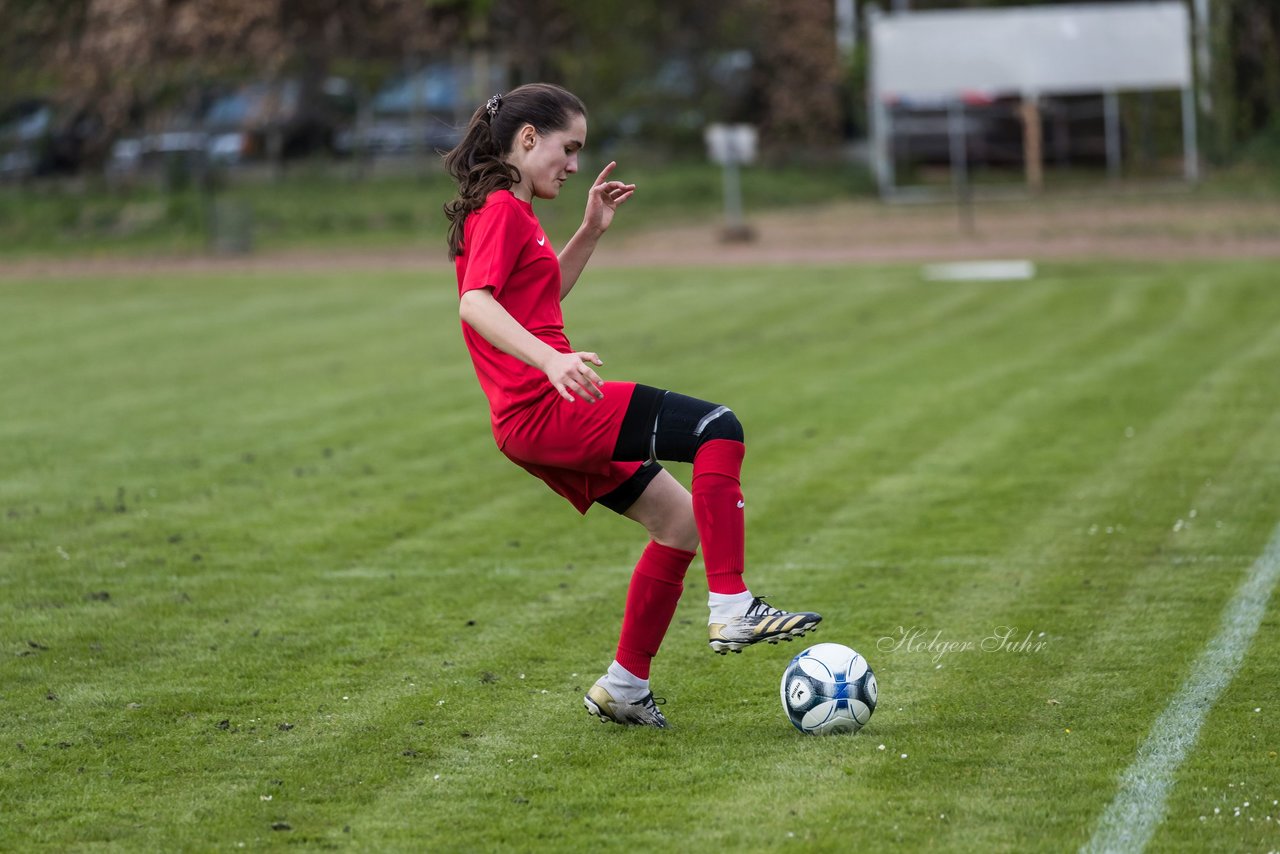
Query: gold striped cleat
x=762 y=622
x=643 y=712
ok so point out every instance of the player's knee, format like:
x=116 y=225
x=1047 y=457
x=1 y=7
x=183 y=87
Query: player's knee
x=677 y=529
x=683 y=425
x=721 y=424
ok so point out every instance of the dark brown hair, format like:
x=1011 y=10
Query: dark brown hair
x=478 y=163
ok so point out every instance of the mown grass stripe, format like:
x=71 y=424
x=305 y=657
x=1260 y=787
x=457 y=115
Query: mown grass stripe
x=1031 y=326
x=776 y=433
x=768 y=788
x=347 y=606
x=1187 y=406
x=986 y=435
x=1132 y=817
x=1119 y=619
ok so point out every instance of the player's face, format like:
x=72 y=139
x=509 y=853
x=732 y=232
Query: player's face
x=552 y=158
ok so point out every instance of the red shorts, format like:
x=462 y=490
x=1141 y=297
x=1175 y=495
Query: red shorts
x=569 y=445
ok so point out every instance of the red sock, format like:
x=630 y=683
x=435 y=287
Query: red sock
x=717 y=510
x=655 y=589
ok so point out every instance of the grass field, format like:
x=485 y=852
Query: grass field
x=325 y=205
x=265 y=582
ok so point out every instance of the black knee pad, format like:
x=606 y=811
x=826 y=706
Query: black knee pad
x=686 y=423
x=721 y=423
x=664 y=425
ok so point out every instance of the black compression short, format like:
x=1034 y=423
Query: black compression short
x=664 y=425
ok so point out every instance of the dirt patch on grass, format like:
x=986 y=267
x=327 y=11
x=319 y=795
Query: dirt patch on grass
x=1174 y=227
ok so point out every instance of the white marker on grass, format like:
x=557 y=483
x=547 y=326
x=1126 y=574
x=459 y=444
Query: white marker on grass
x=980 y=271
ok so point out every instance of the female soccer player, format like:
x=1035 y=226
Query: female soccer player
x=589 y=440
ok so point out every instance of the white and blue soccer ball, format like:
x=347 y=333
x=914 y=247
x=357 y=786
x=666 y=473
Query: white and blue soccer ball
x=828 y=689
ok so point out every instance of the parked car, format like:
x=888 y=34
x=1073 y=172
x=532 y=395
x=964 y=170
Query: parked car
x=683 y=94
x=241 y=125
x=423 y=110
x=399 y=135
x=36 y=140
x=246 y=123
x=131 y=155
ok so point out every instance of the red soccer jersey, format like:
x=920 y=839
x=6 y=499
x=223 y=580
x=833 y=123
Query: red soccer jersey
x=506 y=250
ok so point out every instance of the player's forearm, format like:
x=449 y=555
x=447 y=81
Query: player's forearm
x=479 y=310
x=574 y=257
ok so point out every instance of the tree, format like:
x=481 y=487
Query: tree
x=800 y=73
x=115 y=58
x=1246 y=66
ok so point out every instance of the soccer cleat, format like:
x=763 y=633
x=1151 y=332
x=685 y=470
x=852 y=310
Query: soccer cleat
x=643 y=712
x=762 y=622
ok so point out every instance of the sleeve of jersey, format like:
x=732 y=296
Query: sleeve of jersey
x=494 y=241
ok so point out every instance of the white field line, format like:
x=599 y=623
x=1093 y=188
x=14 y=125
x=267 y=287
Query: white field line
x=1129 y=822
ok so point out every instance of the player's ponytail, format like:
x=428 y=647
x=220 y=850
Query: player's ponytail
x=478 y=163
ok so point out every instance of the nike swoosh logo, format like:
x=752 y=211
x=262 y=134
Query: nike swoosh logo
x=542 y=240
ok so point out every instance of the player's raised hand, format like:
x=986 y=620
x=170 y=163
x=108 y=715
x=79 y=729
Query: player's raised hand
x=604 y=199
x=571 y=375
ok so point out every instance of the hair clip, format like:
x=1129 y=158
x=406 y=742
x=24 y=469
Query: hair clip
x=492 y=105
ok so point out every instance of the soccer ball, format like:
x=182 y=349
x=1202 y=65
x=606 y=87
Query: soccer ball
x=828 y=689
